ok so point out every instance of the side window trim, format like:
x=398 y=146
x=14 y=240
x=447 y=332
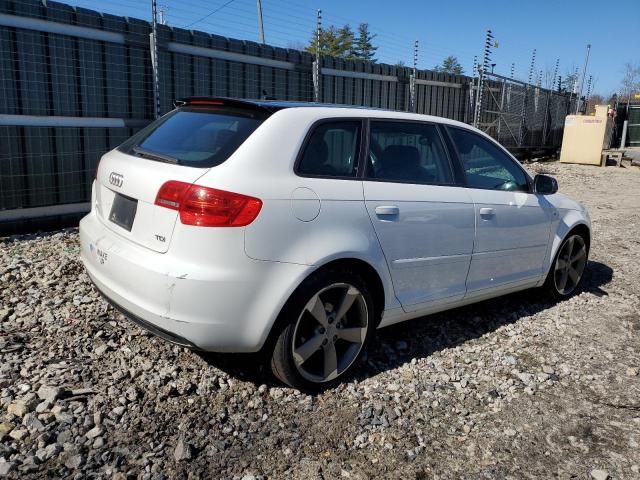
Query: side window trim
x=448 y=129
x=307 y=138
x=450 y=160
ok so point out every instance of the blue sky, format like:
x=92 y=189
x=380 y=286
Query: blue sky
x=556 y=29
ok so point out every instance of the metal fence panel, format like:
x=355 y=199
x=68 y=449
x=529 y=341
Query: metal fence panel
x=63 y=63
x=522 y=116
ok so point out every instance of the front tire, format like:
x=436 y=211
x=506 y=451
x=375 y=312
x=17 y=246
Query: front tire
x=325 y=328
x=567 y=271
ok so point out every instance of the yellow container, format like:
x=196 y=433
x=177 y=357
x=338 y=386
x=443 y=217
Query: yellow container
x=585 y=136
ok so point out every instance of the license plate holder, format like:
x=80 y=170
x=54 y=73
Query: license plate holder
x=123 y=211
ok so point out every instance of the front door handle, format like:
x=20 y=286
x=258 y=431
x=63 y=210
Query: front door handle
x=386 y=210
x=487 y=212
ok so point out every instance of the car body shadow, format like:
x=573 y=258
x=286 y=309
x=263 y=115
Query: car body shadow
x=398 y=344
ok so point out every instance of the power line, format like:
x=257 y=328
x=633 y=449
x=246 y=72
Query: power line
x=208 y=15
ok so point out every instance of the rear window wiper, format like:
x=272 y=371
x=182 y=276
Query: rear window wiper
x=142 y=152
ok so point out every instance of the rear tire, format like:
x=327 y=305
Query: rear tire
x=568 y=267
x=324 y=330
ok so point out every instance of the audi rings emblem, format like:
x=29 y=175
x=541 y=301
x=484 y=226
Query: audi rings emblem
x=116 y=179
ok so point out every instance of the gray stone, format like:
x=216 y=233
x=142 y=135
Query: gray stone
x=19 y=434
x=32 y=422
x=118 y=412
x=599 y=474
x=64 y=417
x=5 y=429
x=6 y=468
x=43 y=406
x=94 y=432
x=49 y=393
x=183 y=451
x=100 y=349
x=48 y=452
x=21 y=407
x=64 y=437
x=72 y=459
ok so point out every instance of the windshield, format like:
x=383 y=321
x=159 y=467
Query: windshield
x=195 y=137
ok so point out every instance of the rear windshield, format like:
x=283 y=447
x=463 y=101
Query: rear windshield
x=196 y=137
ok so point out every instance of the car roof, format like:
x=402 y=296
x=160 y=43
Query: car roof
x=272 y=106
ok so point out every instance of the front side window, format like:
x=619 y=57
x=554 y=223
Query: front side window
x=485 y=165
x=332 y=150
x=407 y=152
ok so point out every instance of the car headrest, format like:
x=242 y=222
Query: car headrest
x=400 y=159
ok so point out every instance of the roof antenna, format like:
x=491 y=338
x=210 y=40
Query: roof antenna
x=266 y=96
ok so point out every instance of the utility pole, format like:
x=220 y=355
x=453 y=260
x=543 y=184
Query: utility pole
x=260 y=24
x=163 y=20
x=584 y=73
x=513 y=70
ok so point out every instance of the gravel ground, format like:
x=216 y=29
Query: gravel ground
x=515 y=387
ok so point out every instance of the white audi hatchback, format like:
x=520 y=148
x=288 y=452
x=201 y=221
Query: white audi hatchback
x=299 y=229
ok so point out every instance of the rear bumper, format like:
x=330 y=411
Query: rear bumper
x=150 y=327
x=224 y=306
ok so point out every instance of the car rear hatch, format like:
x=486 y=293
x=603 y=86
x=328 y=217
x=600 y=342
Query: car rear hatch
x=181 y=146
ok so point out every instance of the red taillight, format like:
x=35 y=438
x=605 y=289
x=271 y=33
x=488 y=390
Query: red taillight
x=208 y=207
x=171 y=193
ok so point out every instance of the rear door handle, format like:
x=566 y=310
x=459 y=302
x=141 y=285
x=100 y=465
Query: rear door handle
x=387 y=210
x=487 y=212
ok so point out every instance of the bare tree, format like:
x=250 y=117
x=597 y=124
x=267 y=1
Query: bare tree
x=630 y=81
x=594 y=100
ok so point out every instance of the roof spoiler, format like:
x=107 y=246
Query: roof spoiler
x=220 y=101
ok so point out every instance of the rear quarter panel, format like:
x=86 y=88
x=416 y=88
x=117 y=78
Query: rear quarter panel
x=284 y=231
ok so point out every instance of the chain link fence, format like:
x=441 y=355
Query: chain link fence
x=74 y=83
x=523 y=116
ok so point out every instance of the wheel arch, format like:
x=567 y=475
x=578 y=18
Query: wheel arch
x=572 y=223
x=371 y=275
x=368 y=272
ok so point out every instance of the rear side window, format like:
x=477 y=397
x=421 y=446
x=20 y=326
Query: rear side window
x=407 y=152
x=485 y=165
x=195 y=137
x=332 y=150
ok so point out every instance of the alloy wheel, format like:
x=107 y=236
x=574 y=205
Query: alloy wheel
x=570 y=265
x=330 y=332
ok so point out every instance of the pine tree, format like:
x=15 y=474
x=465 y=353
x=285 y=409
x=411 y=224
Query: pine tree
x=450 y=65
x=569 y=81
x=363 y=48
x=334 y=42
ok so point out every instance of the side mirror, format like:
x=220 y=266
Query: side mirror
x=545 y=184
